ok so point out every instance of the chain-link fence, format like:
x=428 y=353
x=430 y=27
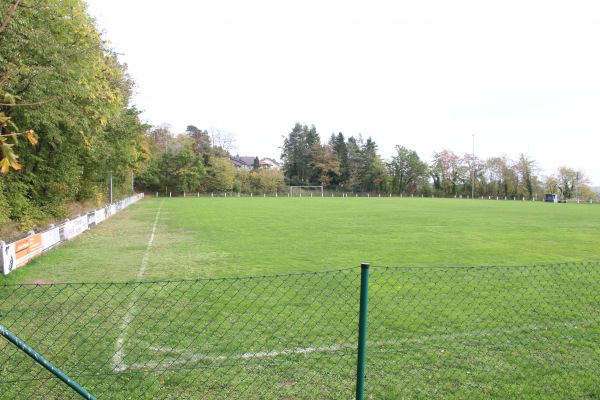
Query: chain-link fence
x=503 y=332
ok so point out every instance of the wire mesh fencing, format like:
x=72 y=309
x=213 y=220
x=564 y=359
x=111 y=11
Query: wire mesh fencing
x=266 y=337
x=501 y=332
x=504 y=332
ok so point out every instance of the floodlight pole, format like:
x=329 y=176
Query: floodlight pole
x=473 y=171
x=577 y=187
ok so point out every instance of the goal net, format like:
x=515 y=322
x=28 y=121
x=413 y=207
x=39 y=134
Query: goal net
x=307 y=191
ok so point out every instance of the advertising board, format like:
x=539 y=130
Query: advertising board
x=8 y=257
x=27 y=248
x=91 y=219
x=75 y=227
x=100 y=215
x=50 y=238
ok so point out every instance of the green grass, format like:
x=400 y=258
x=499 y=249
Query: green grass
x=456 y=320
x=233 y=237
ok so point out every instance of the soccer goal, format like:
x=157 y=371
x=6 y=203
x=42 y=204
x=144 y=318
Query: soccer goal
x=308 y=191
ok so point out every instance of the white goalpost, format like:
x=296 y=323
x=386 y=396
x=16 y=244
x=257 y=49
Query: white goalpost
x=308 y=191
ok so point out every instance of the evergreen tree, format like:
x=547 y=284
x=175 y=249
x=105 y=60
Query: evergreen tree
x=340 y=149
x=295 y=154
x=371 y=170
x=201 y=140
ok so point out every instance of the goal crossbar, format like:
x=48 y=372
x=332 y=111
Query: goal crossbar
x=299 y=189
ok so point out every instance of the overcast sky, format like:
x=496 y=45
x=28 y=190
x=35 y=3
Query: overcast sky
x=510 y=76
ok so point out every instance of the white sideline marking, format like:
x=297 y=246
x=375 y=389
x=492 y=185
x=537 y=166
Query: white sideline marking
x=117 y=359
x=191 y=357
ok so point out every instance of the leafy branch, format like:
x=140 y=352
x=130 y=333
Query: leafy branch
x=10 y=13
x=9 y=129
x=38 y=103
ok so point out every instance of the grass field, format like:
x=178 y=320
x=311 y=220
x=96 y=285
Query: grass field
x=474 y=311
x=234 y=237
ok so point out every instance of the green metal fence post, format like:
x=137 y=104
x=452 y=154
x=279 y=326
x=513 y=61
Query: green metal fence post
x=44 y=363
x=362 y=331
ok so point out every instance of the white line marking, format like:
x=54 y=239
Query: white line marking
x=117 y=359
x=189 y=357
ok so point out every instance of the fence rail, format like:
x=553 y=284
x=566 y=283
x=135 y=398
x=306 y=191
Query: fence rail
x=353 y=194
x=506 y=332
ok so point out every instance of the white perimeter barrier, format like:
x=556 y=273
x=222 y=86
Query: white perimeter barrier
x=18 y=253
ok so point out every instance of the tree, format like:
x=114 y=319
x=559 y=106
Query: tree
x=340 y=150
x=526 y=170
x=150 y=176
x=59 y=80
x=371 y=170
x=568 y=180
x=220 y=175
x=177 y=168
x=8 y=158
x=161 y=138
x=223 y=142
x=269 y=181
x=502 y=177
x=323 y=163
x=447 y=172
x=188 y=169
x=243 y=181
x=295 y=157
x=550 y=184
x=478 y=180
x=406 y=169
x=585 y=192
x=493 y=174
x=510 y=179
x=124 y=154
x=201 y=140
x=354 y=161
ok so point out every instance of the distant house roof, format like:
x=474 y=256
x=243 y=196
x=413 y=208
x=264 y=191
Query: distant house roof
x=270 y=163
x=248 y=163
x=239 y=163
x=248 y=160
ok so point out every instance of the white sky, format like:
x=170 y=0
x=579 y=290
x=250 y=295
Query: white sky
x=523 y=76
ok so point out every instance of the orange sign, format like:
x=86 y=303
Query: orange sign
x=27 y=248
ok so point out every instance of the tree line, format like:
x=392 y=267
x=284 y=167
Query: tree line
x=201 y=161
x=67 y=129
x=65 y=118
x=353 y=164
x=69 y=135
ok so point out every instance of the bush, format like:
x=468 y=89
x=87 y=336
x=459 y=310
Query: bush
x=4 y=206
